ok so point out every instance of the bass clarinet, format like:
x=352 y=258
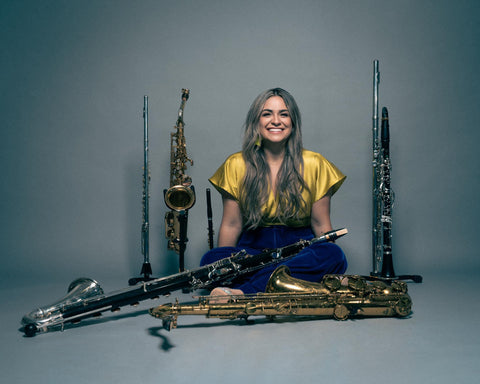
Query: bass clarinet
x=85 y=297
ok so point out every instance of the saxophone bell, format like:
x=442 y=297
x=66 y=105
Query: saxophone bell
x=282 y=281
x=180 y=197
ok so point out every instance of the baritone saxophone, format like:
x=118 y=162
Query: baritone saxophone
x=337 y=296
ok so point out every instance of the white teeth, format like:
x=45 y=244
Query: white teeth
x=275 y=130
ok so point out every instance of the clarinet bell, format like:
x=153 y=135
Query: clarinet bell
x=387 y=266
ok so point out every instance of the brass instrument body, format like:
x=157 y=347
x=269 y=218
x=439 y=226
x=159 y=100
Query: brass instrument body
x=337 y=296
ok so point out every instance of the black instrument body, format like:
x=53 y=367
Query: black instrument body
x=74 y=307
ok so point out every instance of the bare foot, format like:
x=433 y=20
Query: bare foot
x=223 y=294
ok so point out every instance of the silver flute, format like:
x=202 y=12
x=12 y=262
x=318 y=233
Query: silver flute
x=377 y=241
x=145 y=232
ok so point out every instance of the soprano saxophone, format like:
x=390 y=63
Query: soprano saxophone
x=337 y=296
x=180 y=197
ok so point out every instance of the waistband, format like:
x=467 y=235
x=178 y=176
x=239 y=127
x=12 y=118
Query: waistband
x=274 y=236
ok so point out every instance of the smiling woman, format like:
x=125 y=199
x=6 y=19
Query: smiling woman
x=275 y=193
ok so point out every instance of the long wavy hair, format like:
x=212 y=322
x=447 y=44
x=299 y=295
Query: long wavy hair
x=256 y=185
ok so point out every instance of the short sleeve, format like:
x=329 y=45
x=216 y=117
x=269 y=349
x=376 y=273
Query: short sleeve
x=321 y=175
x=229 y=175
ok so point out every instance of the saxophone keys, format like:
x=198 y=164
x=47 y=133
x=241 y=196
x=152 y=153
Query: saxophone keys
x=341 y=312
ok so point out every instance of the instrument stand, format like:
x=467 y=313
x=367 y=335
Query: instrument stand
x=182 y=242
x=146 y=272
x=388 y=274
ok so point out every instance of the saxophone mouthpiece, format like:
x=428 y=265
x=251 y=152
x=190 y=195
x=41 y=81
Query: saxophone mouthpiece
x=385 y=131
x=384 y=113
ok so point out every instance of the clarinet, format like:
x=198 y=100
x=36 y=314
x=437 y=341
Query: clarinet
x=387 y=198
x=85 y=297
x=210 y=219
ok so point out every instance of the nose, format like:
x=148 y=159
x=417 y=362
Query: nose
x=275 y=119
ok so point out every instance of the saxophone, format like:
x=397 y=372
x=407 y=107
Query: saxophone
x=180 y=197
x=340 y=296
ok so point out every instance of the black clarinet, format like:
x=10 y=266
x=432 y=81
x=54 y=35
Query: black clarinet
x=210 y=219
x=387 y=198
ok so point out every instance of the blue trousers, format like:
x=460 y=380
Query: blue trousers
x=310 y=264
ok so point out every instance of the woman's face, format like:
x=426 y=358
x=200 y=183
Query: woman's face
x=275 y=124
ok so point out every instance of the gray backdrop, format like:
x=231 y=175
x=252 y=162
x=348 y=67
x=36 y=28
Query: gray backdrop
x=74 y=73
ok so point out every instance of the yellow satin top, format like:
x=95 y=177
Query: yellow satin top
x=319 y=174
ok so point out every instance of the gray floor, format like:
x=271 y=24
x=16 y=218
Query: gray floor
x=438 y=343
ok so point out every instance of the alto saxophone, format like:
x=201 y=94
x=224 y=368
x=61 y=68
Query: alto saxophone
x=180 y=197
x=339 y=296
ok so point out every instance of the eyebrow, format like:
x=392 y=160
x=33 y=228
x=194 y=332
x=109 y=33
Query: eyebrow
x=271 y=110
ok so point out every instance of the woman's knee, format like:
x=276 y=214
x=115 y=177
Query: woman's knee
x=329 y=252
x=216 y=254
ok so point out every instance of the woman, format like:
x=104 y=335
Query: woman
x=275 y=193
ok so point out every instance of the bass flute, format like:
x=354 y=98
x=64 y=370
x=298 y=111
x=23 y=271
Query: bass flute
x=85 y=297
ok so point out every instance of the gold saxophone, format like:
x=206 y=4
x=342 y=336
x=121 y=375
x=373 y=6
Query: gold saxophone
x=181 y=195
x=340 y=296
